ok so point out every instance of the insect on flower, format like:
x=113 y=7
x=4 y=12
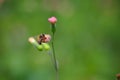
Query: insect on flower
x=43 y=38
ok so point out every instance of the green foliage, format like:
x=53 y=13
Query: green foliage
x=87 y=40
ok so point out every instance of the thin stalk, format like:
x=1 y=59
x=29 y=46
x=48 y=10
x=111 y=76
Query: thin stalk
x=54 y=58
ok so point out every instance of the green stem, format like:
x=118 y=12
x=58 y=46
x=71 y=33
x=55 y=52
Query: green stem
x=54 y=58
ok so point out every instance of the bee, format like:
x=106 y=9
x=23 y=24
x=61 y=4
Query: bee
x=43 y=38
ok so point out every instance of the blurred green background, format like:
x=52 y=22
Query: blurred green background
x=87 y=40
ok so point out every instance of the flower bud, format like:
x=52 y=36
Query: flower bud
x=52 y=20
x=40 y=47
x=35 y=43
x=46 y=46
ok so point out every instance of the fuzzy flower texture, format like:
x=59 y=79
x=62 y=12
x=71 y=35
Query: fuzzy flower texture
x=47 y=38
x=52 y=20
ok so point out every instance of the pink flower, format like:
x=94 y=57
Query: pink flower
x=47 y=38
x=43 y=38
x=52 y=20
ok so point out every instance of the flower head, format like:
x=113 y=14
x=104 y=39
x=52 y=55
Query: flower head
x=52 y=20
x=35 y=43
x=48 y=38
x=43 y=38
x=31 y=40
